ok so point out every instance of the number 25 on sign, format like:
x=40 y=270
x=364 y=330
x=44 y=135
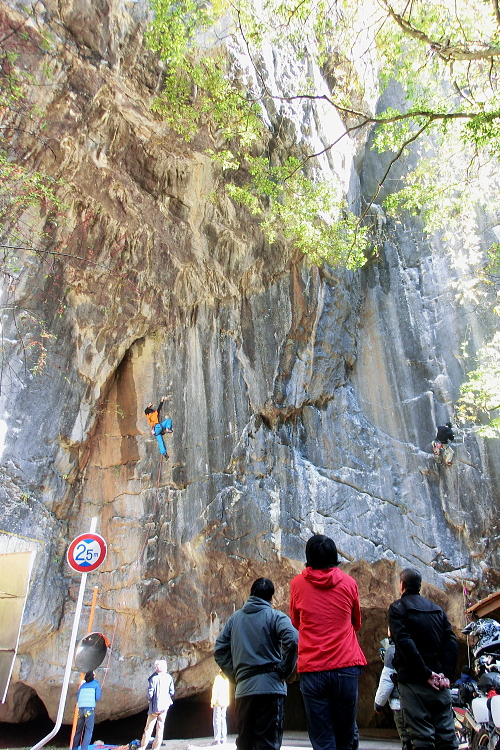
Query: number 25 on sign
x=86 y=552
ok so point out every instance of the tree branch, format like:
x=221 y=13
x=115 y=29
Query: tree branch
x=13 y=31
x=35 y=135
x=496 y=10
x=393 y=160
x=446 y=52
x=373 y=119
x=37 y=250
x=365 y=119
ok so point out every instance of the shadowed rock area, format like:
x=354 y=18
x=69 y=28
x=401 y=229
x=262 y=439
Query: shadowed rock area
x=304 y=400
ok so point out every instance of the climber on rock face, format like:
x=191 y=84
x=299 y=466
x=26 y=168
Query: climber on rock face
x=158 y=428
x=440 y=445
x=445 y=433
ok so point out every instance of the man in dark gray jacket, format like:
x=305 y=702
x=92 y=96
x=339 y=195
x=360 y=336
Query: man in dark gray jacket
x=257 y=650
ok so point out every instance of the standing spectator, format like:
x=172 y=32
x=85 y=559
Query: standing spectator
x=466 y=685
x=466 y=677
x=89 y=693
x=425 y=658
x=160 y=692
x=387 y=691
x=257 y=649
x=324 y=606
x=219 y=703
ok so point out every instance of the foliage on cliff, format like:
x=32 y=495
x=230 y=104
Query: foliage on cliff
x=23 y=187
x=444 y=56
x=206 y=84
x=284 y=190
x=480 y=394
x=417 y=45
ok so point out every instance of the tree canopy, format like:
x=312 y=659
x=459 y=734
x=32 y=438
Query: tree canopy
x=444 y=57
x=222 y=75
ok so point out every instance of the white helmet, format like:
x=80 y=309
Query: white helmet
x=487 y=632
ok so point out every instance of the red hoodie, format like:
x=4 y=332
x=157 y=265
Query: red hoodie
x=324 y=607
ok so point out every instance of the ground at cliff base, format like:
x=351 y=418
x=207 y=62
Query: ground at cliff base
x=291 y=741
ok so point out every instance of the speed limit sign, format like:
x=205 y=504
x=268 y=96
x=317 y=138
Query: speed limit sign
x=86 y=552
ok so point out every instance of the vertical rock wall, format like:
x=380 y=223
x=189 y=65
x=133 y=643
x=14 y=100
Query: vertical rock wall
x=303 y=400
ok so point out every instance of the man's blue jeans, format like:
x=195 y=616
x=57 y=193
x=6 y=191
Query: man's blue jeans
x=331 y=700
x=165 y=425
x=84 y=728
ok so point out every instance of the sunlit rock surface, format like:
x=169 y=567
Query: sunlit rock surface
x=303 y=400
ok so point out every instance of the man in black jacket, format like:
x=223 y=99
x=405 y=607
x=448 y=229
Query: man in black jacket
x=425 y=658
x=257 y=650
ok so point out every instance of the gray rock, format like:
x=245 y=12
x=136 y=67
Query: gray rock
x=304 y=400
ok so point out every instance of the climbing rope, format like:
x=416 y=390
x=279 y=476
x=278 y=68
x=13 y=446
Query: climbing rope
x=461 y=537
x=146 y=539
x=110 y=651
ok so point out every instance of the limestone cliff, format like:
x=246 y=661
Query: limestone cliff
x=303 y=399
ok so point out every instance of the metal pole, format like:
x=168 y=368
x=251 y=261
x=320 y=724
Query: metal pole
x=82 y=675
x=71 y=650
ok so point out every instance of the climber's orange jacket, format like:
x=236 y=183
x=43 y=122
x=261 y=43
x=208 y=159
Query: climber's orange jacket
x=153 y=415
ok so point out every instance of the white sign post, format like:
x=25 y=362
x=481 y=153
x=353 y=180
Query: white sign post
x=88 y=556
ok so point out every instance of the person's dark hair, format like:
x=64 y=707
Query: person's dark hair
x=448 y=424
x=466 y=670
x=263 y=588
x=411 y=579
x=321 y=552
x=89 y=676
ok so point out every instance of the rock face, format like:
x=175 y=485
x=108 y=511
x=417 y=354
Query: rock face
x=304 y=400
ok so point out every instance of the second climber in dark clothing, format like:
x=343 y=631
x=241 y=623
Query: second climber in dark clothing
x=445 y=433
x=440 y=444
x=158 y=428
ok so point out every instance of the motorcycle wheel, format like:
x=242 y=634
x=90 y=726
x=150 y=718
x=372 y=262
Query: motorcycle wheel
x=464 y=739
x=482 y=741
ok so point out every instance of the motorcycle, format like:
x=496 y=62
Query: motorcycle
x=477 y=717
x=466 y=725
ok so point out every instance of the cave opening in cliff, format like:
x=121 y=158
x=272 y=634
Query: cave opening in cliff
x=191 y=717
x=188 y=718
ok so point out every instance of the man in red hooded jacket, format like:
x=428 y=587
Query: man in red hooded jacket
x=324 y=607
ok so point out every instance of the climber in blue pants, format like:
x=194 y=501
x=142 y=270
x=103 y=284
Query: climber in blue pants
x=158 y=428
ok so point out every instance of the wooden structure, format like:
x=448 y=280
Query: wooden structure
x=489 y=607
